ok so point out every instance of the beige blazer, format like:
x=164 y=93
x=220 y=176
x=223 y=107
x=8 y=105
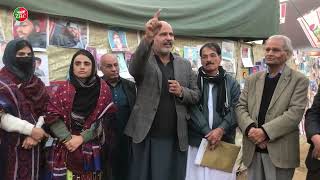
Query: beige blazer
x=282 y=118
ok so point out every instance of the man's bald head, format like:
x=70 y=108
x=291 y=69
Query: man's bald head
x=165 y=23
x=110 y=67
x=108 y=57
x=163 y=41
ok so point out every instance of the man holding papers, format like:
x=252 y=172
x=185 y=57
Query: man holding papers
x=213 y=117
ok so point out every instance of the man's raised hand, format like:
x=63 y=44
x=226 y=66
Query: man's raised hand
x=153 y=26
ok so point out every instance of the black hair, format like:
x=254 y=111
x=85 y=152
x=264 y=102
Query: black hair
x=68 y=24
x=85 y=53
x=37 y=59
x=22 y=44
x=214 y=46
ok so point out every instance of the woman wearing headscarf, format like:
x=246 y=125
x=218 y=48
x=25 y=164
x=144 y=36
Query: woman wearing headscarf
x=23 y=100
x=77 y=115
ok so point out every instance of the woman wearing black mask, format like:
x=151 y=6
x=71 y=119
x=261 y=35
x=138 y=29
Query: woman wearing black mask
x=23 y=100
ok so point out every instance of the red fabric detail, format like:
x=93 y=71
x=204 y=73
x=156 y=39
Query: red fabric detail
x=29 y=111
x=53 y=87
x=60 y=106
x=37 y=95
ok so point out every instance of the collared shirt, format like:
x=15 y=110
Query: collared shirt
x=280 y=72
x=120 y=98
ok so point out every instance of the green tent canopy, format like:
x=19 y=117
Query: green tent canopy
x=236 y=19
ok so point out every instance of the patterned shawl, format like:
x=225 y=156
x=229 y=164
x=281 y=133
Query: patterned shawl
x=27 y=102
x=60 y=107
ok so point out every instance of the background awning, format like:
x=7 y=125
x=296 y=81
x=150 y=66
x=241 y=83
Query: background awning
x=238 y=19
x=291 y=27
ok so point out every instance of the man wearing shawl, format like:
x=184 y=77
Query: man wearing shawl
x=77 y=115
x=23 y=100
x=214 y=116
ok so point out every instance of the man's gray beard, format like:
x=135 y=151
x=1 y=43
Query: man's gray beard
x=164 y=51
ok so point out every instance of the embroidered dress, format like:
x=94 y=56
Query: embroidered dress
x=27 y=102
x=85 y=162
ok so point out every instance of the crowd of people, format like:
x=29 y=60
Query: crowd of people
x=110 y=128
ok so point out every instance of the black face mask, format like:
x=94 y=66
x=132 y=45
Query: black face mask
x=27 y=60
x=26 y=66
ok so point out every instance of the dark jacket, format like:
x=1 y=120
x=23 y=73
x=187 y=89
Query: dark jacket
x=312 y=127
x=199 y=124
x=130 y=90
x=121 y=148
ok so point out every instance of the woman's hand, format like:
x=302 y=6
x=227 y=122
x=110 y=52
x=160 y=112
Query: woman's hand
x=74 y=143
x=29 y=142
x=38 y=134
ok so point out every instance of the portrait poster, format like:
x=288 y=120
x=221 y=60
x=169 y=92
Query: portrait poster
x=2 y=47
x=128 y=56
x=229 y=66
x=254 y=69
x=124 y=72
x=99 y=53
x=68 y=33
x=117 y=40
x=310 y=23
x=93 y=51
x=262 y=65
x=191 y=53
x=2 y=38
x=283 y=12
x=34 y=29
x=227 y=50
x=42 y=67
x=246 y=57
x=244 y=73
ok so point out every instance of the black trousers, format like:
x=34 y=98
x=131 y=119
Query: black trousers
x=313 y=166
x=3 y=161
x=120 y=165
x=313 y=175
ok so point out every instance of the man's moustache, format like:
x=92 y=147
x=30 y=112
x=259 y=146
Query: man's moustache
x=208 y=63
x=170 y=43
